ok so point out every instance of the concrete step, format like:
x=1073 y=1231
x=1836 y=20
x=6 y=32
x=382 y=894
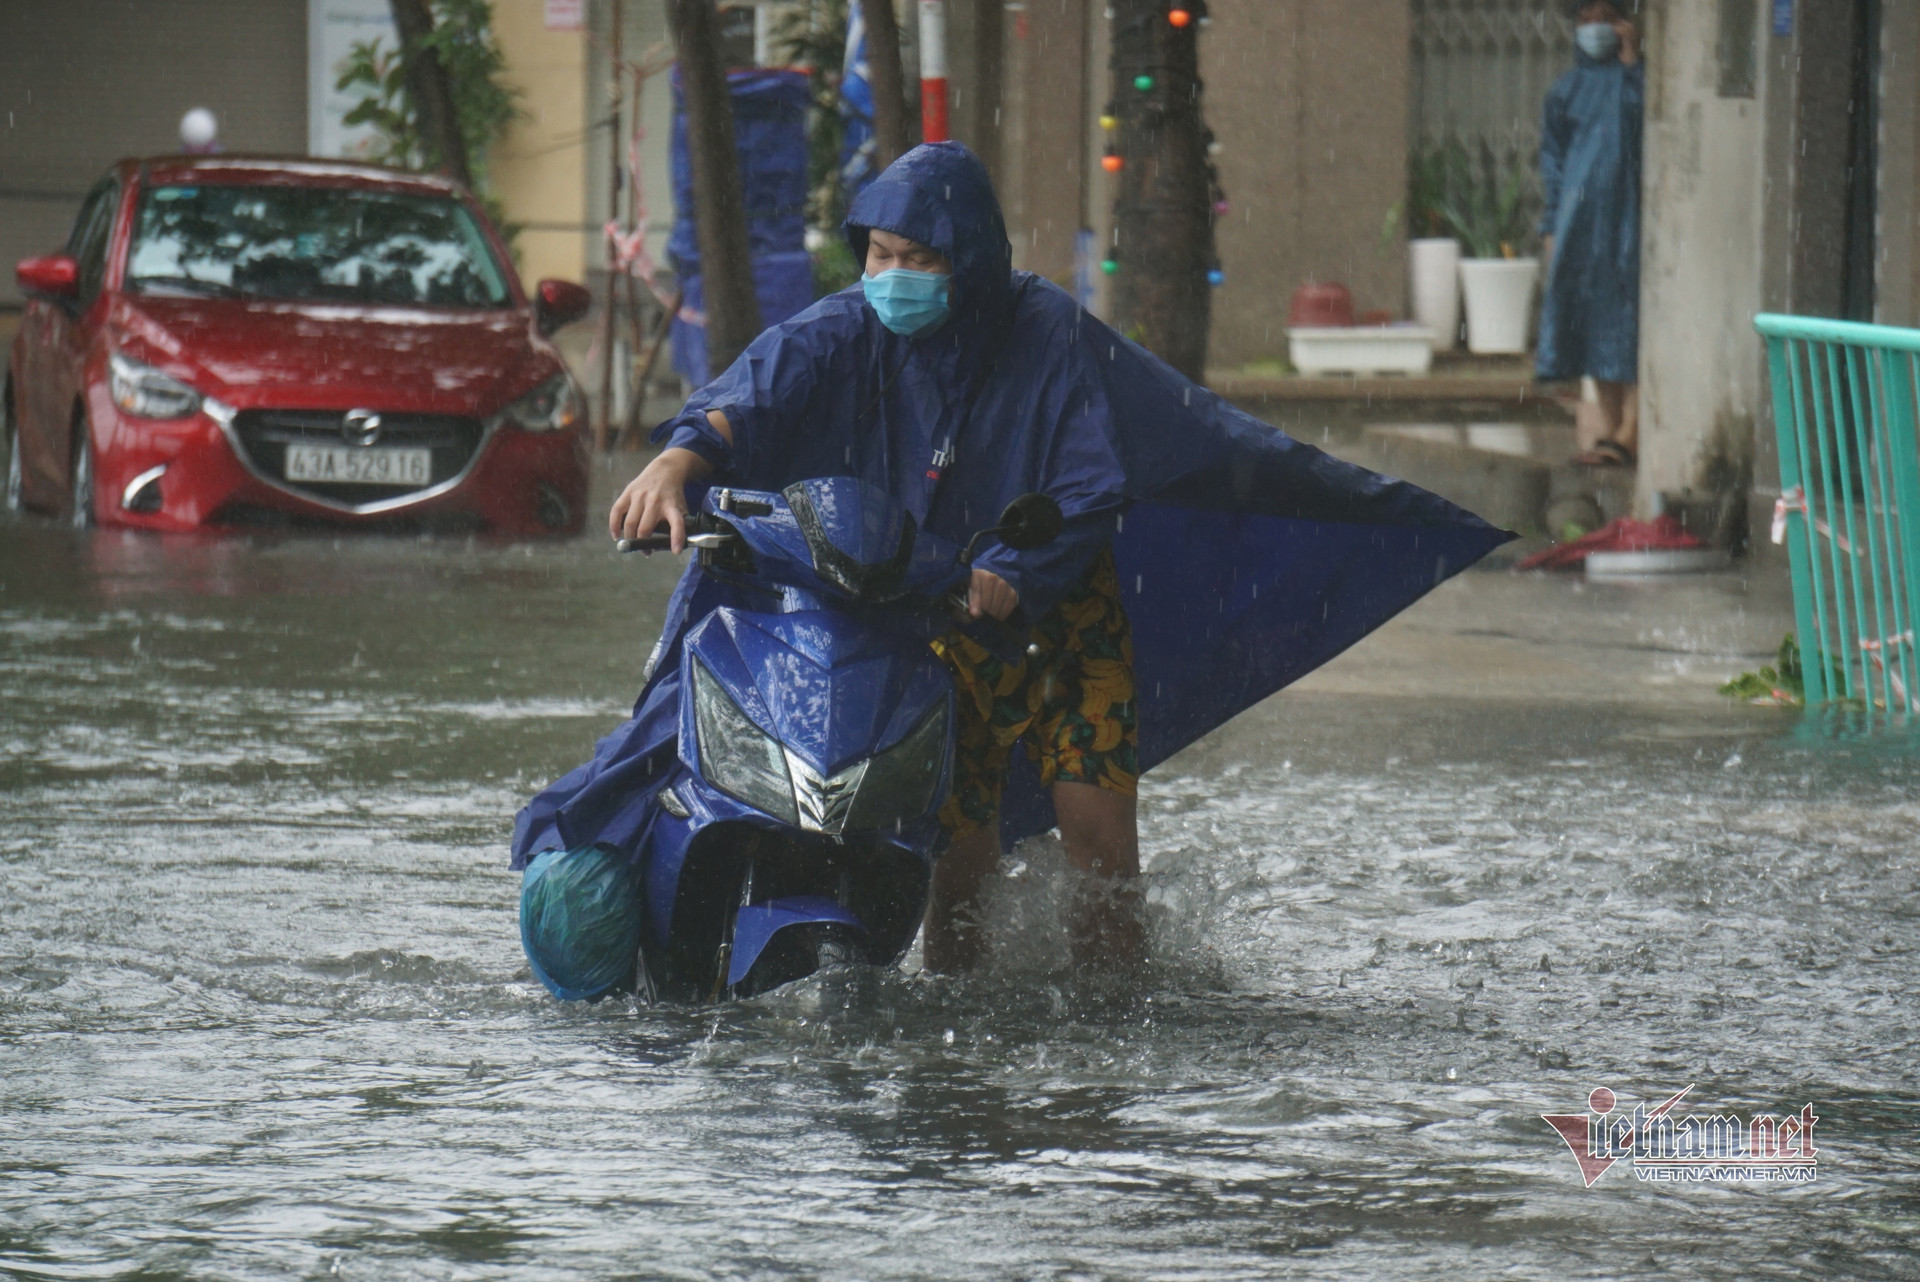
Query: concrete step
x=1516 y=475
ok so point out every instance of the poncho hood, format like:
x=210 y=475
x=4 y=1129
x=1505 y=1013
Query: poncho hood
x=939 y=194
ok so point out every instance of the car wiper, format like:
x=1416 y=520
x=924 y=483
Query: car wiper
x=188 y=285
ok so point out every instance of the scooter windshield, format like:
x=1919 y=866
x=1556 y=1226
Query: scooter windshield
x=861 y=540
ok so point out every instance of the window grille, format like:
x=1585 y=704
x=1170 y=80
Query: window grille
x=1481 y=71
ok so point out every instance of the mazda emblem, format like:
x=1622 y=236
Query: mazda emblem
x=360 y=427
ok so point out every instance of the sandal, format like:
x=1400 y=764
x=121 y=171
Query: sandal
x=1605 y=454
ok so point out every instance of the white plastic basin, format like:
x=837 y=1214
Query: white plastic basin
x=1361 y=349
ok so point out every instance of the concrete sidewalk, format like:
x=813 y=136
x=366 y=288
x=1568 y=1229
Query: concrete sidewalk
x=1541 y=637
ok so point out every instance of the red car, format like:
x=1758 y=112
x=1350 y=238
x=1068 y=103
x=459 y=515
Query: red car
x=230 y=342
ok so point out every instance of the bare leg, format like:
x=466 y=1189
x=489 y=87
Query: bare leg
x=1629 y=433
x=1590 y=425
x=1101 y=832
x=952 y=941
x=1620 y=406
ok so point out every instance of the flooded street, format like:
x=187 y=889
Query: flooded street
x=264 y=1013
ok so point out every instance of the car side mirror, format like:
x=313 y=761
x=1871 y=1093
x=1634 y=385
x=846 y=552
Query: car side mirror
x=52 y=276
x=1030 y=521
x=558 y=303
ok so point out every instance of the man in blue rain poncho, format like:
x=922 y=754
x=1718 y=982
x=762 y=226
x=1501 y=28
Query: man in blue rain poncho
x=1207 y=559
x=1590 y=170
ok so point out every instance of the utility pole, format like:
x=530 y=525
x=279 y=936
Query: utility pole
x=430 y=90
x=887 y=81
x=720 y=215
x=1162 y=260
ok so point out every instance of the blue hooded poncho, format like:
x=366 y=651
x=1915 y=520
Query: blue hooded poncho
x=1590 y=173
x=1247 y=558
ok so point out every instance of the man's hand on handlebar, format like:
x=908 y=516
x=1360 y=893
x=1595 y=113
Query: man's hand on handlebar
x=989 y=594
x=659 y=493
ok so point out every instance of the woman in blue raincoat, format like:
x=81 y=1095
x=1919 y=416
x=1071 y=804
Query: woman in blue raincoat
x=1590 y=170
x=1207 y=559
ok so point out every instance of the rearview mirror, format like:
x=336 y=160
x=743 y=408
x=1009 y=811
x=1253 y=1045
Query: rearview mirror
x=558 y=303
x=1030 y=521
x=55 y=275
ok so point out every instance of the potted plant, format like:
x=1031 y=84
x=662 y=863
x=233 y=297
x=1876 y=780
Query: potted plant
x=1490 y=220
x=1433 y=255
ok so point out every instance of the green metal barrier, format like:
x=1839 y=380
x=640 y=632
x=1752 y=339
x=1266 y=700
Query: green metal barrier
x=1844 y=400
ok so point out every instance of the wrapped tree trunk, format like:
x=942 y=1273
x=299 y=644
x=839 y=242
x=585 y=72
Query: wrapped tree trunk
x=888 y=81
x=1163 y=210
x=720 y=215
x=431 y=91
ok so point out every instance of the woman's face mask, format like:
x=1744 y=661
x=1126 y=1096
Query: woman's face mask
x=1598 y=40
x=909 y=302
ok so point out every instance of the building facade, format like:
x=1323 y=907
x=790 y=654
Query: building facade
x=1780 y=176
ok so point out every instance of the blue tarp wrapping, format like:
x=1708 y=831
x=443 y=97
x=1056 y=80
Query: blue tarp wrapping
x=784 y=284
x=770 y=131
x=857 y=145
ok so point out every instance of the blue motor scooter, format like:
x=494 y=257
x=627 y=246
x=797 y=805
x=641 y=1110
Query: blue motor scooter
x=797 y=828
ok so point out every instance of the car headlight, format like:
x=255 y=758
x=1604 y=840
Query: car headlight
x=736 y=756
x=899 y=783
x=554 y=406
x=145 y=392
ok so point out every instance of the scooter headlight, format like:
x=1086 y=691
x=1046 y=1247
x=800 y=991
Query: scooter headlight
x=736 y=756
x=899 y=784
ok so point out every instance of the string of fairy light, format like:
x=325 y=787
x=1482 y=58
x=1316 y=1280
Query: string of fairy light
x=1180 y=16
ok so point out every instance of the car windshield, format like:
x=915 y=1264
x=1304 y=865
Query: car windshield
x=314 y=244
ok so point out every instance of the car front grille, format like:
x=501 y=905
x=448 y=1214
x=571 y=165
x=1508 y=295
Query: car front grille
x=264 y=435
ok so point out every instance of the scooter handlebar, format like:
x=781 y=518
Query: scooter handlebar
x=702 y=531
x=1007 y=637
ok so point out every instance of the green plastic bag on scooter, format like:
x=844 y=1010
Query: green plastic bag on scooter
x=580 y=921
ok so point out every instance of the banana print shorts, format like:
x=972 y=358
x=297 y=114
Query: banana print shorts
x=1072 y=703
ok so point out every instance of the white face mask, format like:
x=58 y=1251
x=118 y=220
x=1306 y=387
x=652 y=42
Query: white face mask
x=1598 y=40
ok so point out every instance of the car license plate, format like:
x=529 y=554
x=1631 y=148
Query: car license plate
x=358 y=466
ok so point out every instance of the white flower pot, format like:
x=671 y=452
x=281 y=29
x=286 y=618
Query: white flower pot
x=1433 y=277
x=1499 y=296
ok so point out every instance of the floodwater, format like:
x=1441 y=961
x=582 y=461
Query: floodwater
x=263 y=1012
